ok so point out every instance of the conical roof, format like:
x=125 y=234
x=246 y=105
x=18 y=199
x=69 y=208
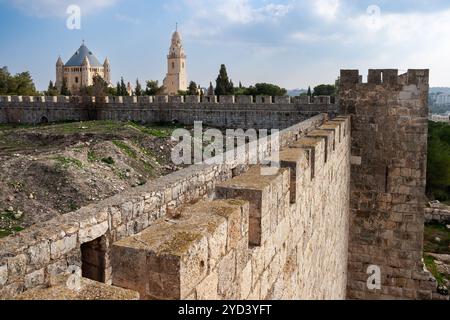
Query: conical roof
x=78 y=58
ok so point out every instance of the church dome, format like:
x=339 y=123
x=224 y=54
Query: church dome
x=80 y=55
x=176 y=36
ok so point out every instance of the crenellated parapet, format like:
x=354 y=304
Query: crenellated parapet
x=149 y=100
x=235 y=111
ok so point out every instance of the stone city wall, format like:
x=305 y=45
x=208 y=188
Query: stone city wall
x=389 y=160
x=85 y=237
x=279 y=236
x=437 y=215
x=261 y=112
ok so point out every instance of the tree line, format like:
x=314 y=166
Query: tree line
x=22 y=84
x=438 y=172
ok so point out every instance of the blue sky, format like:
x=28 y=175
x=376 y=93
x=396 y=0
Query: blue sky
x=292 y=43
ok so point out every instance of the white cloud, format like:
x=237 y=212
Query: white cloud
x=49 y=8
x=327 y=9
x=236 y=11
x=210 y=17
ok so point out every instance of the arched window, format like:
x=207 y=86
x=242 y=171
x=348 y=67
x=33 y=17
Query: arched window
x=76 y=79
x=173 y=65
x=183 y=65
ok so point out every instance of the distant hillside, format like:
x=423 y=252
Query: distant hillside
x=296 y=92
x=440 y=89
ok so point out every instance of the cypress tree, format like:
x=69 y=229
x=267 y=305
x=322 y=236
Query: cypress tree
x=223 y=85
x=138 y=89
x=64 y=89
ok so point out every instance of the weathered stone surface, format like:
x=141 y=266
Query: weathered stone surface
x=91 y=233
x=265 y=195
x=89 y=290
x=389 y=148
x=207 y=289
x=35 y=279
x=61 y=247
x=174 y=256
x=3 y=275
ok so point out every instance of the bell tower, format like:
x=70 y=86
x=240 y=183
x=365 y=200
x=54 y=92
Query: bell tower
x=176 y=78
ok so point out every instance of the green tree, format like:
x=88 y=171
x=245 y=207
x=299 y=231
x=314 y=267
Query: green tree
x=51 y=90
x=438 y=171
x=138 y=90
x=118 y=89
x=64 y=89
x=20 y=84
x=153 y=88
x=309 y=93
x=193 y=89
x=4 y=78
x=325 y=90
x=123 y=88
x=223 y=85
x=99 y=87
x=265 y=89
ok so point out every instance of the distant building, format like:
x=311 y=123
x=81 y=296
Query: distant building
x=176 y=78
x=130 y=89
x=80 y=70
x=442 y=99
x=439 y=118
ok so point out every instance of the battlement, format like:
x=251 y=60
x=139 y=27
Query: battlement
x=387 y=77
x=248 y=236
x=150 y=100
x=233 y=111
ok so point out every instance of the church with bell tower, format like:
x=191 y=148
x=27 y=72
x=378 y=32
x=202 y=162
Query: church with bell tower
x=176 y=78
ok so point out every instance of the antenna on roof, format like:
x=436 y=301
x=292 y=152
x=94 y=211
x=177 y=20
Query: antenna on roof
x=83 y=42
x=176 y=26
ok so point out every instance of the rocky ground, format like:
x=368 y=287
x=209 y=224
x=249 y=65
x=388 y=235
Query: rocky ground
x=54 y=169
x=437 y=254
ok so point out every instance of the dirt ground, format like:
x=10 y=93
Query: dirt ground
x=437 y=254
x=54 y=169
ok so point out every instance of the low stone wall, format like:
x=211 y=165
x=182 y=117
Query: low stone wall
x=439 y=215
x=29 y=258
x=226 y=111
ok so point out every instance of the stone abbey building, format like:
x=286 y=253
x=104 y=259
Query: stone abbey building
x=80 y=70
x=176 y=78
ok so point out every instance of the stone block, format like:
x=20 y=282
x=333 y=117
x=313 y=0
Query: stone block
x=3 y=275
x=329 y=140
x=263 y=193
x=35 y=279
x=91 y=233
x=296 y=160
x=264 y=99
x=39 y=255
x=315 y=148
x=60 y=247
x=171 y=258
x=207 y=289
x=227 y=273
x=246 y=281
